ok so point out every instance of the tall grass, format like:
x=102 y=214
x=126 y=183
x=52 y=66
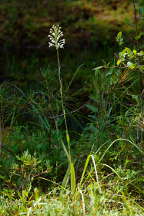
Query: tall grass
x=44 y=172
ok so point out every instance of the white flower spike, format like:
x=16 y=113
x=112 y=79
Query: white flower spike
x=55 y=37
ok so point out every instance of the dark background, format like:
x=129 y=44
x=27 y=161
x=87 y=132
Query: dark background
x=90 y=28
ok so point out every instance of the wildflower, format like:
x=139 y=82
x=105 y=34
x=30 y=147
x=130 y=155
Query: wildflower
x=56 y=37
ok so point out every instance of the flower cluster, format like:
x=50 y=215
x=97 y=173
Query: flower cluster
x=55 y=37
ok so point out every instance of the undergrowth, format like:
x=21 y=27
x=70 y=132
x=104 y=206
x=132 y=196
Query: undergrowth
x=58 y=158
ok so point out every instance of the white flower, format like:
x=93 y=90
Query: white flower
x=55 y=37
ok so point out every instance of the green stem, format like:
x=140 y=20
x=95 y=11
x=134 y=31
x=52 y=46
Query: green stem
x=62 y=101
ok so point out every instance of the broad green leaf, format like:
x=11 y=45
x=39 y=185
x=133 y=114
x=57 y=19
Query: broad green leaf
x=92 y=108
x=119 y=38
x=141 y=53
x=118 y=61
x=134 y=52
x=131 y=65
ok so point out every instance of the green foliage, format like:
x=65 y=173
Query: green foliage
x=119 y=38
x=50 y=168
x=131 y=59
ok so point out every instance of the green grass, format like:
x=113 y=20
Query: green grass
x=99 y=192
x=84 y=202
x=77 y=149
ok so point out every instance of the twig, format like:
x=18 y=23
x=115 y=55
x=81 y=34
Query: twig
x=66 y=113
